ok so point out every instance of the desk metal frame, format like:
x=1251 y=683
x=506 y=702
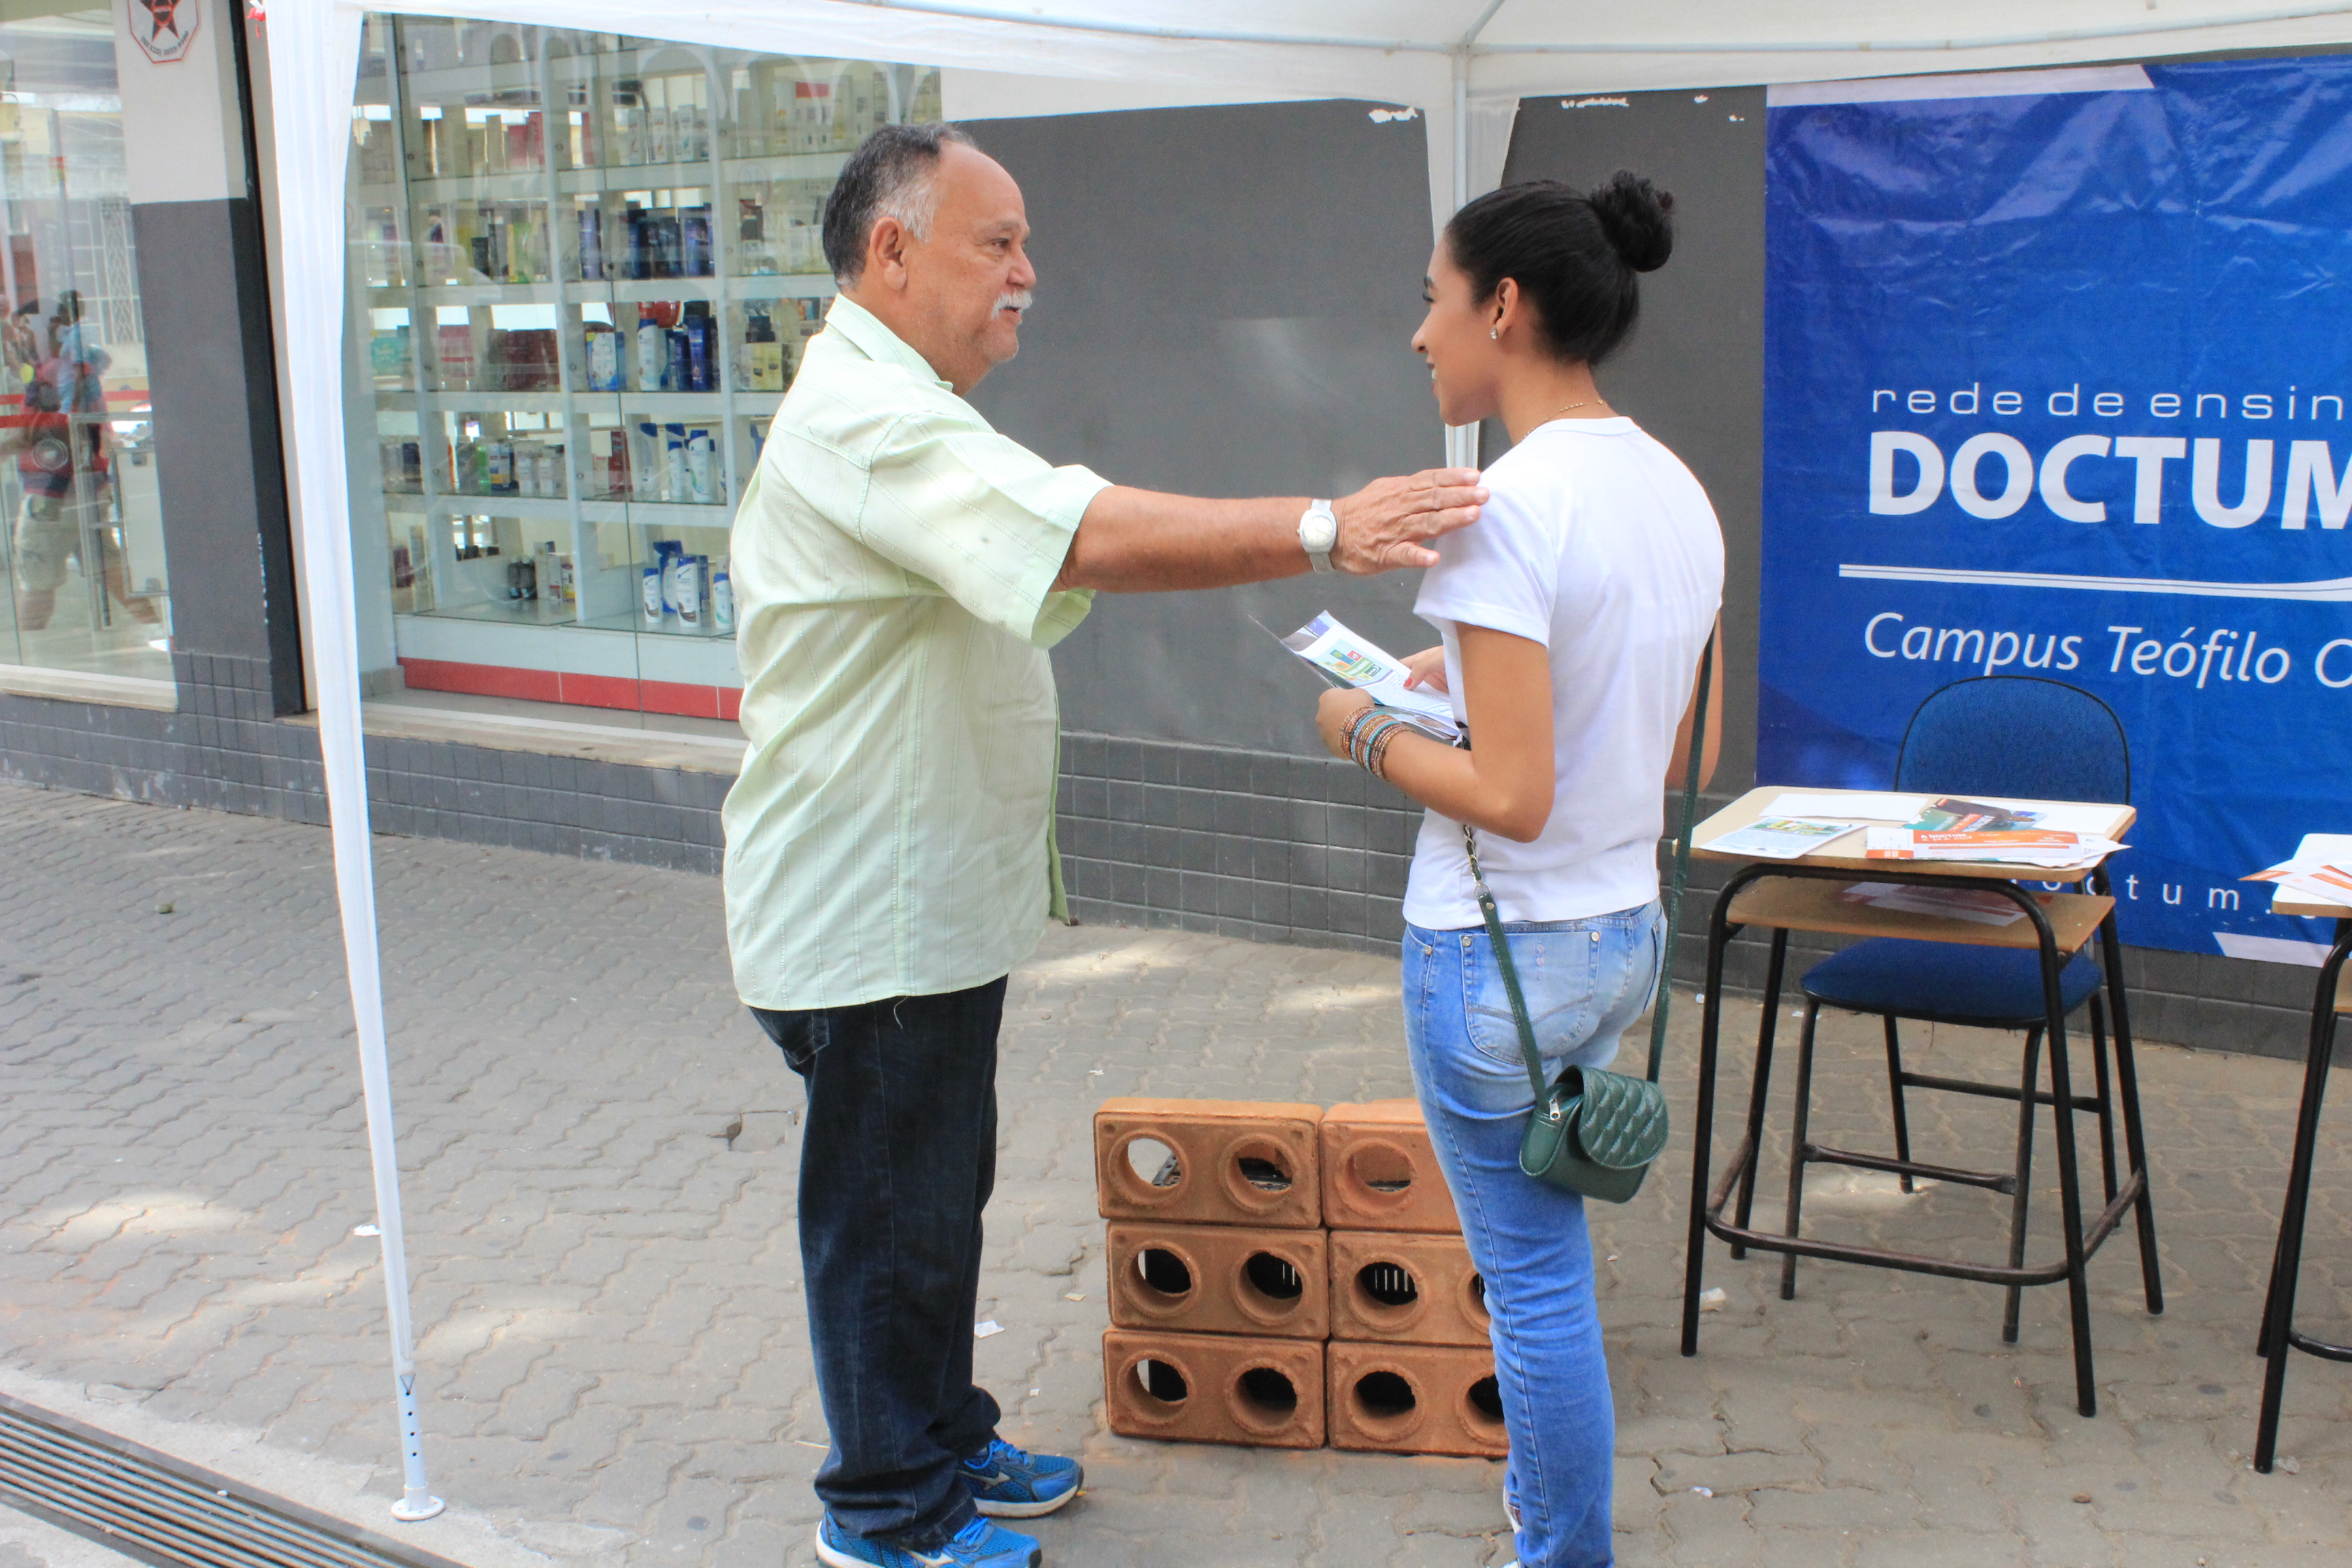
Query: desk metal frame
x=2279 y=1335
x=1706 y=1205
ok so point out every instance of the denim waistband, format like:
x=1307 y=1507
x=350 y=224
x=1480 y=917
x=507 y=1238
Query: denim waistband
x=1621 y=919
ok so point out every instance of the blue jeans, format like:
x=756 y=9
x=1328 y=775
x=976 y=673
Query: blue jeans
x=1585 y=981
x=898 y=1158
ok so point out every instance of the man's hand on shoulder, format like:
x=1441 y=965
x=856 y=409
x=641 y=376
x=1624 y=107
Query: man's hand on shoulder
x=1388 y=524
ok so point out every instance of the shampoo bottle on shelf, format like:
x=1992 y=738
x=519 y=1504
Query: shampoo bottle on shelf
x=699 y=454
x=653 y=352
x=604 y=357
x=697 y=327
x=722 y=601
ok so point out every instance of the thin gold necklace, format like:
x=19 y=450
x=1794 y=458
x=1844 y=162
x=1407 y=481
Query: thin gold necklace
x=1572 y=408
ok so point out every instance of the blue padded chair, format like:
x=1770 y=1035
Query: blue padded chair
x=2008 y=737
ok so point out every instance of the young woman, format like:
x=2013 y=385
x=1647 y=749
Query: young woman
x=1573 y=616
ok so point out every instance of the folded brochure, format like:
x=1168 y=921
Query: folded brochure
x=1346 y=659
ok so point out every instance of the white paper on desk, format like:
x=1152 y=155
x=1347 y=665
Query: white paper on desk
x=1842 y=806
x=1343 y=656
x=1781 y=838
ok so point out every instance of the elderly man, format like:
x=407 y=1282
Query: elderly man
x=901 y=571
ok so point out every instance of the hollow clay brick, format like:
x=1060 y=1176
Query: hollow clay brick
x=1218 y=1279
x=1379 y=1172
x=1414 y=1399
x=1213 y=1388
x=1447 y=1306
x=1237 y=1162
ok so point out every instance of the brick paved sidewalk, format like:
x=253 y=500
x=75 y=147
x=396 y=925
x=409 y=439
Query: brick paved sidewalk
x=598 y=1161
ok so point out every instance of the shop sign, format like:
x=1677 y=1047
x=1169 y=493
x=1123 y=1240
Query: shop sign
x=164 y=29
x=2059 y=385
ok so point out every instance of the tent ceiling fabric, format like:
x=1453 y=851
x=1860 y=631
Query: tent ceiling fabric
x=1403 y=51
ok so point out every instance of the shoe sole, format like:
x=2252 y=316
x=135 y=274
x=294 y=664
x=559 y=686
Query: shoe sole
x=834 y=1558
x=1026 y=1509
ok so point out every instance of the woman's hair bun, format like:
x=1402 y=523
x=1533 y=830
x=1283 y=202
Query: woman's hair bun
x=1637 y=219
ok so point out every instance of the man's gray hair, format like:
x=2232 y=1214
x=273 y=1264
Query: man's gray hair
x=893 y=174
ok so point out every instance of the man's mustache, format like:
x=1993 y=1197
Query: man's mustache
x=1018 y=299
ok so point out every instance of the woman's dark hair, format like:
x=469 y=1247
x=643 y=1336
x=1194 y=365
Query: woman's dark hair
x=1574 y=254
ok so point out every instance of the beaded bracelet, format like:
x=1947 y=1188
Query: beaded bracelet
x=1374 y=739
x=1359 y=742
x=1378 y=767
x=1356 y=720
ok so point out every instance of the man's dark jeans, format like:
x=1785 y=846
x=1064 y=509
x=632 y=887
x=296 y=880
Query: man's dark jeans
x=897 y=1161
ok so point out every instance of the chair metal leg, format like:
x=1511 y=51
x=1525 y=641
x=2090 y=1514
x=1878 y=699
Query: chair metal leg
x=1894 y=1094
x=1710 y=1037
x=2278 y=1331
x=2128 y=1092
x=1800 y=1150
x=2022 y=1199
x=2270 y=1307
x=2102 y=1092
x=1774 y=970
x=2070 y=1190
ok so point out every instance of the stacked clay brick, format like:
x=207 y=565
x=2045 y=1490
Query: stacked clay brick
x=1282 y=1275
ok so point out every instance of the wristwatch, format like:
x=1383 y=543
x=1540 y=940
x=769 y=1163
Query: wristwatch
x=1318 y=530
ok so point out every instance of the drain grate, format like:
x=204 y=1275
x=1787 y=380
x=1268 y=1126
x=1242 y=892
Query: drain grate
x=167 y=1511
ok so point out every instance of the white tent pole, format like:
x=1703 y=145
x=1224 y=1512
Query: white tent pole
x=313 y=60
x=1462 y=440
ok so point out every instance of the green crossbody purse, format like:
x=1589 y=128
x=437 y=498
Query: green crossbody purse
x=1596 y=1133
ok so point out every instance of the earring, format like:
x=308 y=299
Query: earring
x=1495 y=333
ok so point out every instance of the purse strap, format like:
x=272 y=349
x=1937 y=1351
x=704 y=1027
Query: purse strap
x=1673 y=902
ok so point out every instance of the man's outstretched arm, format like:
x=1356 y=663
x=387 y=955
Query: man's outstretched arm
x=1144 y=541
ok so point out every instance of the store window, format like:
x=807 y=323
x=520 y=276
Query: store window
x=584 y=267
x=84 y=537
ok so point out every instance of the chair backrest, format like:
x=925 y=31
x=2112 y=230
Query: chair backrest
x=2016 y=736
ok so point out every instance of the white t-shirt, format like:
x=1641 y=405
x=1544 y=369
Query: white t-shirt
x=1597 y=543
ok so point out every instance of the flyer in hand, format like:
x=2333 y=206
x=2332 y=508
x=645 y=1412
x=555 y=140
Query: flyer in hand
x=1346 y=659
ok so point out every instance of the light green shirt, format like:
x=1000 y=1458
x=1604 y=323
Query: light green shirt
x=893 y=567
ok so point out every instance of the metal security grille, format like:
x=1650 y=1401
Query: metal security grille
x=167 y=1512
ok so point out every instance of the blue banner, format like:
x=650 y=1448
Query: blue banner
x=2056 y=385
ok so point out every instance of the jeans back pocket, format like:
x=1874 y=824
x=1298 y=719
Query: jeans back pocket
x=1557 y=971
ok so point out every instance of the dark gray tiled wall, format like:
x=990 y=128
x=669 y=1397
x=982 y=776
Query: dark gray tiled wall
x=1247 y=844
x=223 y=752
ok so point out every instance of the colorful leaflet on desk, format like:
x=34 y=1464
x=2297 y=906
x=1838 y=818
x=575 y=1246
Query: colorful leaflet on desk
x=1953 y=816
x=1781 y=838
x=2026 y=848
x=2321 y=880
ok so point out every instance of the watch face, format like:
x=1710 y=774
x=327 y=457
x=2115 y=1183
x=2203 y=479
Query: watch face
x=1318 y=530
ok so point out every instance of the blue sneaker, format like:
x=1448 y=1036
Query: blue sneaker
x=978 y=1545
x=1009 y=1484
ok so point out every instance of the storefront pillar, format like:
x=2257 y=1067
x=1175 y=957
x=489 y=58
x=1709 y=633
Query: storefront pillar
x=203 y=271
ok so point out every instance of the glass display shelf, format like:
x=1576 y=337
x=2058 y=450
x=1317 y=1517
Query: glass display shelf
x=585 y=269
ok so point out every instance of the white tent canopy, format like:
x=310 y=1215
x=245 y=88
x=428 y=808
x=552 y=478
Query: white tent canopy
x=1463 y=64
